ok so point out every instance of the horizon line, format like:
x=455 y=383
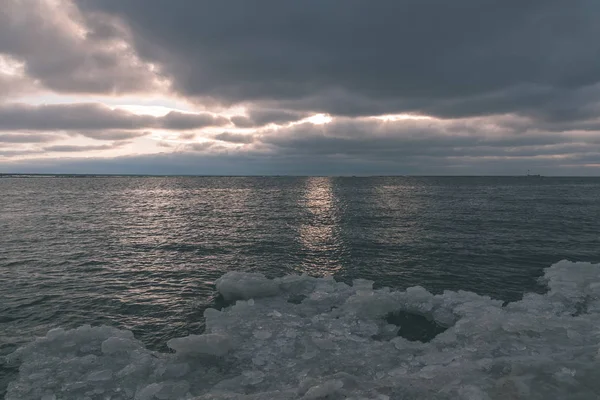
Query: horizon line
x=89 y=175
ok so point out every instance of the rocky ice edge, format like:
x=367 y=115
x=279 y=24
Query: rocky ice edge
x=299 y=337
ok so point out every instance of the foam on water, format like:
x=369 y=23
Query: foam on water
x=299 y=337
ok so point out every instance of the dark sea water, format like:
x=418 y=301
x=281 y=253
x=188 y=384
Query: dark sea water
x=142 y=253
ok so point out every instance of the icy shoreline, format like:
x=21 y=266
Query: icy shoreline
x=299 y=337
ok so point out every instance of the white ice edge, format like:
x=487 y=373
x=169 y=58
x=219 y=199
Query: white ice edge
x=264 y=347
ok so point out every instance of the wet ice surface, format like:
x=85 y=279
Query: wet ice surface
x=299 y=337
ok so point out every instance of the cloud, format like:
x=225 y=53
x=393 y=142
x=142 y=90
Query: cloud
x=187 y=136
x=113 y=135
x=234 y=137
x=164 y=144
x=8 y=153
x=199 y=147
x=11 y=85
x=183 y=121
x=29 y=137
x=66 y=51
x=451 y=59
x=510 y=84
x=366 y=145
x=241 y=121
x=74 y=149
x=259 y=117
x=426 y=141
x=68 y=117
x=88 y=118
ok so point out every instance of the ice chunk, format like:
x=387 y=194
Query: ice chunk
x=262 y=334
x=117 y=344
x=103 y=375
x=470 y=392
x=213 y=344
x=323 y=390
x=335 y=342
x=244 y=285
x=55 y=333
x=253 y=377
x=148 y=392
x=173 y=390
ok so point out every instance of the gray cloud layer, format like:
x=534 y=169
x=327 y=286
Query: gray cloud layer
x=514 y=84
x=349 y=146
x=29 y=137
x=234 y=137
x=260 y=117
x=357 y=57
x=89 y=118
x=376 y=140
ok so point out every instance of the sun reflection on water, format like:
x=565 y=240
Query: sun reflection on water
x=320 y=235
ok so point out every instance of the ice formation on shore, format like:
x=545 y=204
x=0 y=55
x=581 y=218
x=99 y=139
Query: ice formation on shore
x=299 y=337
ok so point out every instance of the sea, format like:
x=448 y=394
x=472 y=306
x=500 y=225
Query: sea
x=142 y=254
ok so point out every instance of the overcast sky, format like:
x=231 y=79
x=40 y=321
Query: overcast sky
x=322 y=87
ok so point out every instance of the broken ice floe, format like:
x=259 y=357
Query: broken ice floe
x=299 y=337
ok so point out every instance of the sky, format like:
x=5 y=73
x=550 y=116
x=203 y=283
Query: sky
x=312 y=87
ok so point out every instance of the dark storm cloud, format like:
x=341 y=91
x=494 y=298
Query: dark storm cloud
x=89 y=117
x=63 y=53
x=359 y=57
